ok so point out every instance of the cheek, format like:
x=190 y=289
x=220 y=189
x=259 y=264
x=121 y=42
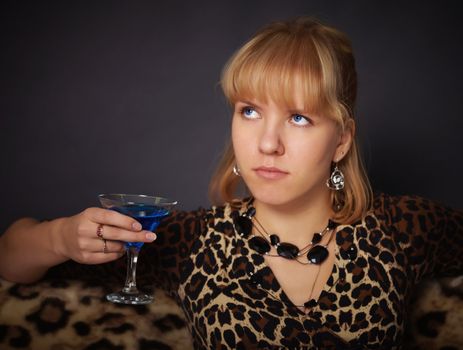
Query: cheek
x=240 y=140
x=314 y=151
x=235 y=137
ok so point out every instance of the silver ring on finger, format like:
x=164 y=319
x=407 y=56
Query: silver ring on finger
x=105 y=246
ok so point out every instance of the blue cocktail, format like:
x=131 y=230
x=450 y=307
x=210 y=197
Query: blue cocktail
x=149 y=216
x=148 y=211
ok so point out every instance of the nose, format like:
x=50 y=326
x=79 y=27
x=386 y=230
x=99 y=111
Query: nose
x=270 y=141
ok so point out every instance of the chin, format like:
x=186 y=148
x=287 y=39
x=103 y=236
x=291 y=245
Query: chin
x=272 y=196
x=286 y=195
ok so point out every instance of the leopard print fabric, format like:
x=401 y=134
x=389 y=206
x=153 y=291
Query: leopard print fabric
x=232 y=300
x=72 y=314
x=436 y=315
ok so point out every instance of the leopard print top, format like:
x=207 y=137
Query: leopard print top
x=233 y=301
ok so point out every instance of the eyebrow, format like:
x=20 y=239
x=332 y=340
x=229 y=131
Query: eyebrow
x=246 y=102
x=302 y=112
x=296 y=111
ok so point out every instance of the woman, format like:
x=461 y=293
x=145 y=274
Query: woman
x=310 y=259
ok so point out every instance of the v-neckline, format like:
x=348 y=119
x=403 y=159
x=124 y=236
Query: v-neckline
x=276 y=290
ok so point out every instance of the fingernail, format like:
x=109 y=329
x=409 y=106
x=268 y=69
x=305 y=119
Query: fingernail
x=136 y=226
x=150 y=236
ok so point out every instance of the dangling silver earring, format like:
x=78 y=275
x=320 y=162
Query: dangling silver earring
x=236 y=170
x=336 y=180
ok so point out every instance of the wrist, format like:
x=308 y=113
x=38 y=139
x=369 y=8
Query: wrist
x=57 y=231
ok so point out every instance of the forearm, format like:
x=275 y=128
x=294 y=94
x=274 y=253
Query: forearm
x=28 y=249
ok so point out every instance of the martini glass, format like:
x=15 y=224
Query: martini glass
x=148 y=211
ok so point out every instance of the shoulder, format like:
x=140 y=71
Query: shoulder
x=221 y=217
x=411 y=208
x=409 y=203
x=383 y=201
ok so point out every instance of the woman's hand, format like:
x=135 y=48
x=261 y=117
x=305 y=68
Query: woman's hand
x=97 y=235
x=28 y=248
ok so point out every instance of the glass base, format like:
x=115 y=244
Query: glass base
x=139 y=298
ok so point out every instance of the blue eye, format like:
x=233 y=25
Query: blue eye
x=300 y=120
x=249 y=112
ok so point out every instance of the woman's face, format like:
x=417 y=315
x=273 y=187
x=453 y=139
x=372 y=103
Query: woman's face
x=284 y=155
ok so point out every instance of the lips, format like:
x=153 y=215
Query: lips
x=270 y=173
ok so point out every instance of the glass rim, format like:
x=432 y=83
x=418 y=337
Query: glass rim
x=115 y=196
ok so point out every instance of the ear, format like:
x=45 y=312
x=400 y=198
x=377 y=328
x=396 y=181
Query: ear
x=346 y=137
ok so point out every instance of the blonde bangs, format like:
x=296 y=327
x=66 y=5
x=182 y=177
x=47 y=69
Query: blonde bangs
x=273 y=68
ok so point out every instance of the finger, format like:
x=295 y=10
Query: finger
x=98 y=245
x=107 y=246
x=118 y=234
x=113 y=218
x=100 y=258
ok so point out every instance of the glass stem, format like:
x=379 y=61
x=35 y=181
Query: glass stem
x=130 y=286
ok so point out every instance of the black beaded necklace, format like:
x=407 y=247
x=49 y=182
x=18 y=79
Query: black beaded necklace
x=316 y=253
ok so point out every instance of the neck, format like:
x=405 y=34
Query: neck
x=295 y=222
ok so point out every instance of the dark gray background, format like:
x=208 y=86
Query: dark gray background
x=107 y=96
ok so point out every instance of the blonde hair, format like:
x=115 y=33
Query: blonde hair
x=318 y=60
